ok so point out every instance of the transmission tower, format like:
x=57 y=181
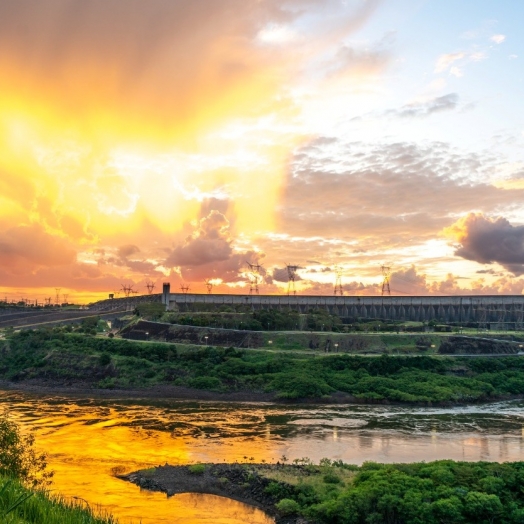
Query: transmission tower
x=291 y=277
x=65 y=297
x=48 y=301
x=128 y=290
x=386 y=274
x=57 y=296
x=184 y=288
x=254 y=277
x=209 y=286
x=150 y=287
x=339 y=290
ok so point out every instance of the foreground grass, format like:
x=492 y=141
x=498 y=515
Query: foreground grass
x=64 y=359
x=19 y=505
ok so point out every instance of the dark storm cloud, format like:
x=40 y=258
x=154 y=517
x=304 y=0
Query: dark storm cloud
x=488 y=240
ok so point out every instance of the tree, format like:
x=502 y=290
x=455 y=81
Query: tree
x=18 y=458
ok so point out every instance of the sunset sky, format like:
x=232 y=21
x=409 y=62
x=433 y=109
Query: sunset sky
x=177 y=140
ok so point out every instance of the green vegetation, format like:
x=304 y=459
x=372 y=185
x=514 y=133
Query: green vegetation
x=59 y=358
x=23 y=480
x=18 y=457
x=197 y=469
x=442 y=492
x=20 y=505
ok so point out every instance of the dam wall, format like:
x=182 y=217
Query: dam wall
x=485 y=309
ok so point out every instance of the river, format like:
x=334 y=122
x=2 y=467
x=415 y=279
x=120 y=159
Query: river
x=88 y=440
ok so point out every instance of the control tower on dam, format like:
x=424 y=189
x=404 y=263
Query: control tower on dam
x=470 y=308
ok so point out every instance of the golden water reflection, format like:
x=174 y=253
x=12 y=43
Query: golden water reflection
x=88 y=440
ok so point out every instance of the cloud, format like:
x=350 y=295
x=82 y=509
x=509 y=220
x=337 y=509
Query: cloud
x=438 y=104
x=456 y=71
x=209 y=250
x=488 y=240
x=210 y=242
x=166 y=62
x=27 y=247
x=366 y=62
x=391 y=194
x=127 y=250
x=498 y=39
x=282 y=275
x=453 y=62
x=445 y=61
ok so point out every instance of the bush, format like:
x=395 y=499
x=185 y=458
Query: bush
x=205 y=383
x=105 y=359
x=287 y=507
x=197 y=469
x=17 y=456
x=331 y=478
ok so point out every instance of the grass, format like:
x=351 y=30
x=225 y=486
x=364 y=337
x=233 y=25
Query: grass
x=315 y=476
x=19 y=505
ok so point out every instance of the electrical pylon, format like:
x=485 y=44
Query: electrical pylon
x=254 y=277
x=291 y=275
x=339 y=290
x=386 y=273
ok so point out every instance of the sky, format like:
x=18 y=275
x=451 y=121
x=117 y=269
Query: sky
x=151 y=141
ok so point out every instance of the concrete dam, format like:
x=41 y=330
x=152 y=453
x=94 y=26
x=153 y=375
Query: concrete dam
x=483 y=310
x=486 y=309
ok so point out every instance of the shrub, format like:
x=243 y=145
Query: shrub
x=197 y=469
x=205 y=383
x=331 y=478
x=105 y=359
x=287 y=506
x=17 y=456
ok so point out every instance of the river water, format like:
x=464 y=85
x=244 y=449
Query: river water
x=88 y=440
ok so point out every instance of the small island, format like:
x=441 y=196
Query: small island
x=333 y=492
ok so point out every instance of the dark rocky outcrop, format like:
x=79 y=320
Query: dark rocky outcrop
x=461 y=345
x=236 y=481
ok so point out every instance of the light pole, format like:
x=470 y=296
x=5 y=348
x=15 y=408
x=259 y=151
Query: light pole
x=206 y=339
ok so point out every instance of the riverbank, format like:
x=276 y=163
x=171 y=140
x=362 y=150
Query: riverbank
x=89 y=365
x=167 y=392
x=435 y=492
